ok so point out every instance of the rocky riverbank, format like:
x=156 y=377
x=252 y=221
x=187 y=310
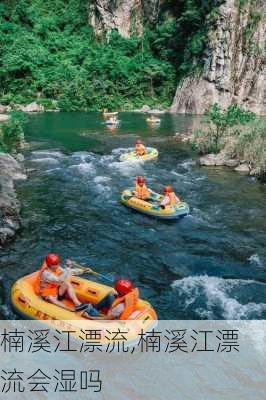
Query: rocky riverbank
x=11 y=170
x=222 y=159
x=28 y=108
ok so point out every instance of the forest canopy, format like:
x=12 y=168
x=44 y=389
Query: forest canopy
x=48 y=51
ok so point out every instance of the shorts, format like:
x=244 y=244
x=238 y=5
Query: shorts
x=52 y=292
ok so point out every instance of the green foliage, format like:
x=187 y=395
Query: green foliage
x=228 y=118
x=218 y=123
x=48 y=50
x=254 y=19
x=205 y=141
x=254 y=16
x=185 y=36
x=12 y=132
x=250 y=145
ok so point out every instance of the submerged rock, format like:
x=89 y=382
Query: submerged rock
x=212 y=160
x=19 y=157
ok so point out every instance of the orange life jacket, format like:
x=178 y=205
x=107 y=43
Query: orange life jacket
x=173 y=199
x=42 y=285
x=130 y=302
x=142 y=192
x=140 y=149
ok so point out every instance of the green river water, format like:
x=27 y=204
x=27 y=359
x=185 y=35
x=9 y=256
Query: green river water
x=210 y=264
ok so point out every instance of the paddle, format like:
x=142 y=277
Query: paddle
x=91 y=271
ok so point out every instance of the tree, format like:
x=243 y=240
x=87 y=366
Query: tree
x=218 y=123
x=13 y=131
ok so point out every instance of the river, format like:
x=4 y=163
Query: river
x=208 y=265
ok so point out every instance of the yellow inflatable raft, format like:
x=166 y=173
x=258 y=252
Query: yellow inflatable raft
x=110 y=114
x=151 y=155
x=152 y=207
x=153 y=120
x=31 y=306
x=110 y=122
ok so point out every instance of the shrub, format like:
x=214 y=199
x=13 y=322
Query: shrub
x=250 y=145
x=12 y=132
x=217 y=125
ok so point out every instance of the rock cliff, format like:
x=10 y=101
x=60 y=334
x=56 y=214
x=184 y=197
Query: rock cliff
x=125 y=16
x=234 y=62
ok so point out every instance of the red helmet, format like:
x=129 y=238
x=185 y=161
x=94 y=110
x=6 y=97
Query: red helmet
x=123 y=286
x=52 y=259
x=168 y=189
x=139 y=142
x=140 y=180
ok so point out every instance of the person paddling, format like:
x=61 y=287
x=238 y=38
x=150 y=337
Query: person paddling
x=141 y=190
x=113 y=119
x=140 y=149
x=170 y=198
x=119 y=304
x=53 y=282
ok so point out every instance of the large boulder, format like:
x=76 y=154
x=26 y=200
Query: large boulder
x=10 y=167
x=145 y=109
x=212 y=160
x=4 y=117
x=156 y=111
x=6 y=234
x=244 y=168
x=4 y=109
x=32 y=107
x=232 y=163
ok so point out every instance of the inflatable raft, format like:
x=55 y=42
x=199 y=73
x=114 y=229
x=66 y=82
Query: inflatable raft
x=132 y=156
x=152 y=207
x=31 y=306
x=109 y=122
x=153 y=120
x=109 y=114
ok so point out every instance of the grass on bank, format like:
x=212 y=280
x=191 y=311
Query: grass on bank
x=235 y=131
x=12 y=132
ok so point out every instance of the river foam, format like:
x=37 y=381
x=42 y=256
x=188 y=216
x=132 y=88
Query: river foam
x=212 y=297
x=256 y=260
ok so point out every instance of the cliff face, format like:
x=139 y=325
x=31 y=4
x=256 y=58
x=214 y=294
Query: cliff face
x=234 y=63
x=125 y=16
x=234 y=60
